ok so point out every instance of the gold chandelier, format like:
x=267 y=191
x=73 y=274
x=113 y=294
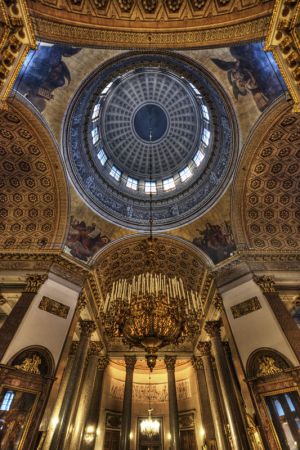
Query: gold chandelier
x=152 y=310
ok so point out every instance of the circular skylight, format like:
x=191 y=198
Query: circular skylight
x=144 y=124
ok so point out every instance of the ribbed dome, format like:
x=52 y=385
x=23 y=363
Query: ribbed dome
x=145 y=123
x=150 y=115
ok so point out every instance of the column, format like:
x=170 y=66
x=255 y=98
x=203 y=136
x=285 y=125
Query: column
x=170 y=362
x=215 y=407
x=93 y=417
x=13 y=321
x=205 y=411
x=284 y=318
x=86 y=392
x=127 y=403
x=60 y=438
x=238 y=434
x=64 y=382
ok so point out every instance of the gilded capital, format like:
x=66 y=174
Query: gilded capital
x=197 y=363
x=170 y=362
x=130 y=361
x=103 y=362
x=34 y=282
x=213 y=328
x=73 y=348
x=266 y=283
x=204 y=348
x=87 y=327
x=95 y=348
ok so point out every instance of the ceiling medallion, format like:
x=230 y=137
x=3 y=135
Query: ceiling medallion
x=107 y=145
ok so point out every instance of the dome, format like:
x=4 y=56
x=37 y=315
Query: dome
x=149 y=124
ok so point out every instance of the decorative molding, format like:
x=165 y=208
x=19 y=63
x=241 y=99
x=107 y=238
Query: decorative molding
x=158 y=391
x=34 y=282
x=112 y=33
x=54 y=261
x=266 y=283
x=34 y=191
x=266 y=210
x=245 y=307
x=16 y=39
x=283 y=40
x=54 y=307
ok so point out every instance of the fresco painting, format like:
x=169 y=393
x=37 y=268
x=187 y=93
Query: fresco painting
x=216 y=240
x=252 y=72
x=43 y=72
x=84 y=240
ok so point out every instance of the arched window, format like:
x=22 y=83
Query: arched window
x=7 y=401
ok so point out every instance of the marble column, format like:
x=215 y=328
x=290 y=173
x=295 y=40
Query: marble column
x=92 y=421
x=170 y=362
x=215 y=406
x=236 y=425
x=64 y=383
x=86 y=392
x=61 y=435
x=13 y=321
x=127 y=403
x=208 y=433
x=284 y=318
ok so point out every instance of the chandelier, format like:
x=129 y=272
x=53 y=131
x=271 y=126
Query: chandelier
x=150 y=427
x=152 y=310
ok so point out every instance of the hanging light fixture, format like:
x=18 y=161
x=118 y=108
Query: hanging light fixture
x=152 y=310
x=150 y=427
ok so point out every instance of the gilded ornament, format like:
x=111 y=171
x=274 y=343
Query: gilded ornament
x=87 y=327
x=266 y=283
x=246 y=307
x=170 y=362
x=30 y=365
x=34 y=282
x=213 y=328
x=130 y=361
x=204 y=348
x=54 y=307
x=267 y=366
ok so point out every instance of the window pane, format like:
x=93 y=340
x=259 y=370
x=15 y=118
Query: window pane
x=198 y=158
x=115 y=173
x=102 y=156
x=132 y=183
x=185 y=174
x=150 y=187
x=168 y=184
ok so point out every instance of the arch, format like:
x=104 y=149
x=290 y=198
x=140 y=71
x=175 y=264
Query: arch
x=277 y=361
x=265 y=205
x=34 y=193
x=46 y=365
x=126 y=257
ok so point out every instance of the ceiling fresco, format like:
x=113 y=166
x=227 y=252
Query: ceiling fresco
x=249 y=77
